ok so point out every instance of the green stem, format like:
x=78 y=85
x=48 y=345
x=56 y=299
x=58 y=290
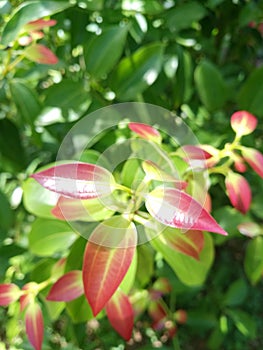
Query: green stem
x=176 y=343
x=124 y=188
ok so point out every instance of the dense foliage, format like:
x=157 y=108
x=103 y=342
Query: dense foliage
x=201 y=60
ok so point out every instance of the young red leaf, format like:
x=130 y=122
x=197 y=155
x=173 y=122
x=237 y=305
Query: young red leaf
x=254 y=158
x=154 y=172
x=177 y=209
x=28 y=297
x=120 y=314
x=68 y=287
x=107 y=257
x=39 y=24
x=157 y=314
x=9 y=293
x=40 y=54
x=34 y=325
x=238 y=191
x=243 y=123
x=189 y=243
x=194 y=152
x=146 y=132
x=76 y=180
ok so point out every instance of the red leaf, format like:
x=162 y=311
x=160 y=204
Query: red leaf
x=76 y=180
x=177 y=209
x=67 y=288
x=146 y=131
x=157 y=314
x=189 y=243
x=34 y=325
x=238 y=191
x=120 y=314
x=107 y=257
x=254 y=158
x=180 y=316
x=28 y=297
x=40 y=54
x=9 y=293
x=243 y=123
x=39 y=24
x=195 y=152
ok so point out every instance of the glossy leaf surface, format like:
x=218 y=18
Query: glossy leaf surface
x=107 y=257
x=177 y=209
x=76 y=180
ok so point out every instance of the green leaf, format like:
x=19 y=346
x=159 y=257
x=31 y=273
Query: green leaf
x=38 y=200
x=30 y=11
x=10 y=145
x=191 y=272
x=183 y=16
x=236 y=293
x=244 y=323
x=145 y=267
x=251 y=94
x=128 y=281
x=76 y=251
x=136 y=73
x=132 y=174
x=48 y=237
x=70 y=96
x=210 y=85
x=93 y=5
x=152 y=7
x=26 y=100
x=79 y=310
x=254 y=260
x=103 y=51
x=6 y=214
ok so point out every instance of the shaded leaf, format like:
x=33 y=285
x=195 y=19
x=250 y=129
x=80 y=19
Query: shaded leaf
x=254 y=260
x=103 y=51
x=107 y=257
x=120 y=314
x=29 y=11
x=244 y=323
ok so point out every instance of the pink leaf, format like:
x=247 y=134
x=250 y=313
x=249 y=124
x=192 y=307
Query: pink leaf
x=146 y=131
x=9 y=293
x=120 y=314
x=40 y=54
x=157 y=313
x=189 y=243
x=238 y=191
x=107 y=257
x=67 y=288
x=34 y=325
x=39 y=24
x=76 y=180
x=254 y=158
x=154 y=172
x=195 y=152
x=28 y=297
x=177 y=209
x=243 y=123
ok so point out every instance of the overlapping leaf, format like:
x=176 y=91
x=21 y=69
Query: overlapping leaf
x=238 y=191
x=67 y=287
x=34 y=325
x=107 y=257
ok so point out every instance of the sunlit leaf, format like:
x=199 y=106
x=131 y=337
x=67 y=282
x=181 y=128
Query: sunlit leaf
x=28 y=297
x=254 y=158
x=34 y=325
x=120 y=314
x=107 y=257
x=39 y=24
x=76 y=180
x=250 y=229
x=68 y=287
x=146 y=131
x=238 y=191
x=177 y=209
